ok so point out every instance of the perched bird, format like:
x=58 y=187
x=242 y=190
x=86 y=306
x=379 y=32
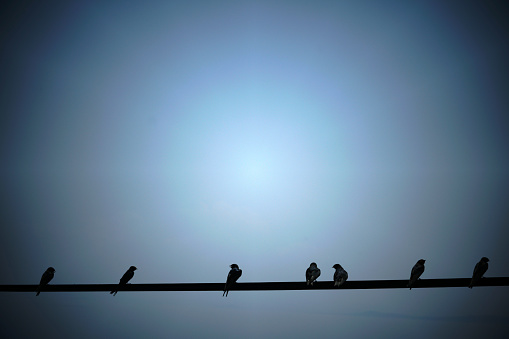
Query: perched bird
x=312 y=273
x=128 y=275
x=45 y=279
x=233 y=276
x=340 y=276
x=480 y=268
x=417 y=270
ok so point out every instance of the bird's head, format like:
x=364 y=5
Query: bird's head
x=337 y=266
x=234 y=266
x=485 y=259
x=421 y=261
x=51 y=269
x=313 y=264
x=132 y=268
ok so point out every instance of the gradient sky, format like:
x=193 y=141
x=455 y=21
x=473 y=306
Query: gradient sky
x=183 y=136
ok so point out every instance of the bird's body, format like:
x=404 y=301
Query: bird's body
x=480 y=268
x=312 y=273
x=45 y=279
x=128 y=275
x=340 y=276
x=233 y=276
x=417 y=270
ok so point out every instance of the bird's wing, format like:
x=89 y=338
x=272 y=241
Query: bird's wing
x=235 y=275
x=46 y=278
x=482 y=269
x=337 y=275
x=126 y=277
x=414 y=270
x=229 y=276
x=476 y=269
x=486 y=265
x=43 y=278
x=417 y=270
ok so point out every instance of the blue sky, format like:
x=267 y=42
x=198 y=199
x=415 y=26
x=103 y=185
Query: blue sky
x=181 y=137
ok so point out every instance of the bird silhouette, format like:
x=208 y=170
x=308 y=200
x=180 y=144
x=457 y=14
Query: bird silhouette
x=312 y=273
x=45 y=279
x=340 y=276
x=128 y=275
x=480 y=268
x=233 y=276
x=417 y=270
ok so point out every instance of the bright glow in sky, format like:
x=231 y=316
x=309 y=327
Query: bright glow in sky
x=181 y=137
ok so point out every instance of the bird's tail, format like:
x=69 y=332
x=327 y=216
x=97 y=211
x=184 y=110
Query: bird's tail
x=225 y=290
x=473 y=282
x=114 y=293
x=38 y=291
x=411 y=282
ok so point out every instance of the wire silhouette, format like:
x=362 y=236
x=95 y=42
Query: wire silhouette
x=262 y=286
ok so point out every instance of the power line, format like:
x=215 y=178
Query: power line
x=260 y=286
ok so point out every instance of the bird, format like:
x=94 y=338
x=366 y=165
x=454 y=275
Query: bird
x=340 y=276
x=480 y=268
x=312 y=273
x=128 y=275
x=233 y=276
x=417 y=270
x=45 y=279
